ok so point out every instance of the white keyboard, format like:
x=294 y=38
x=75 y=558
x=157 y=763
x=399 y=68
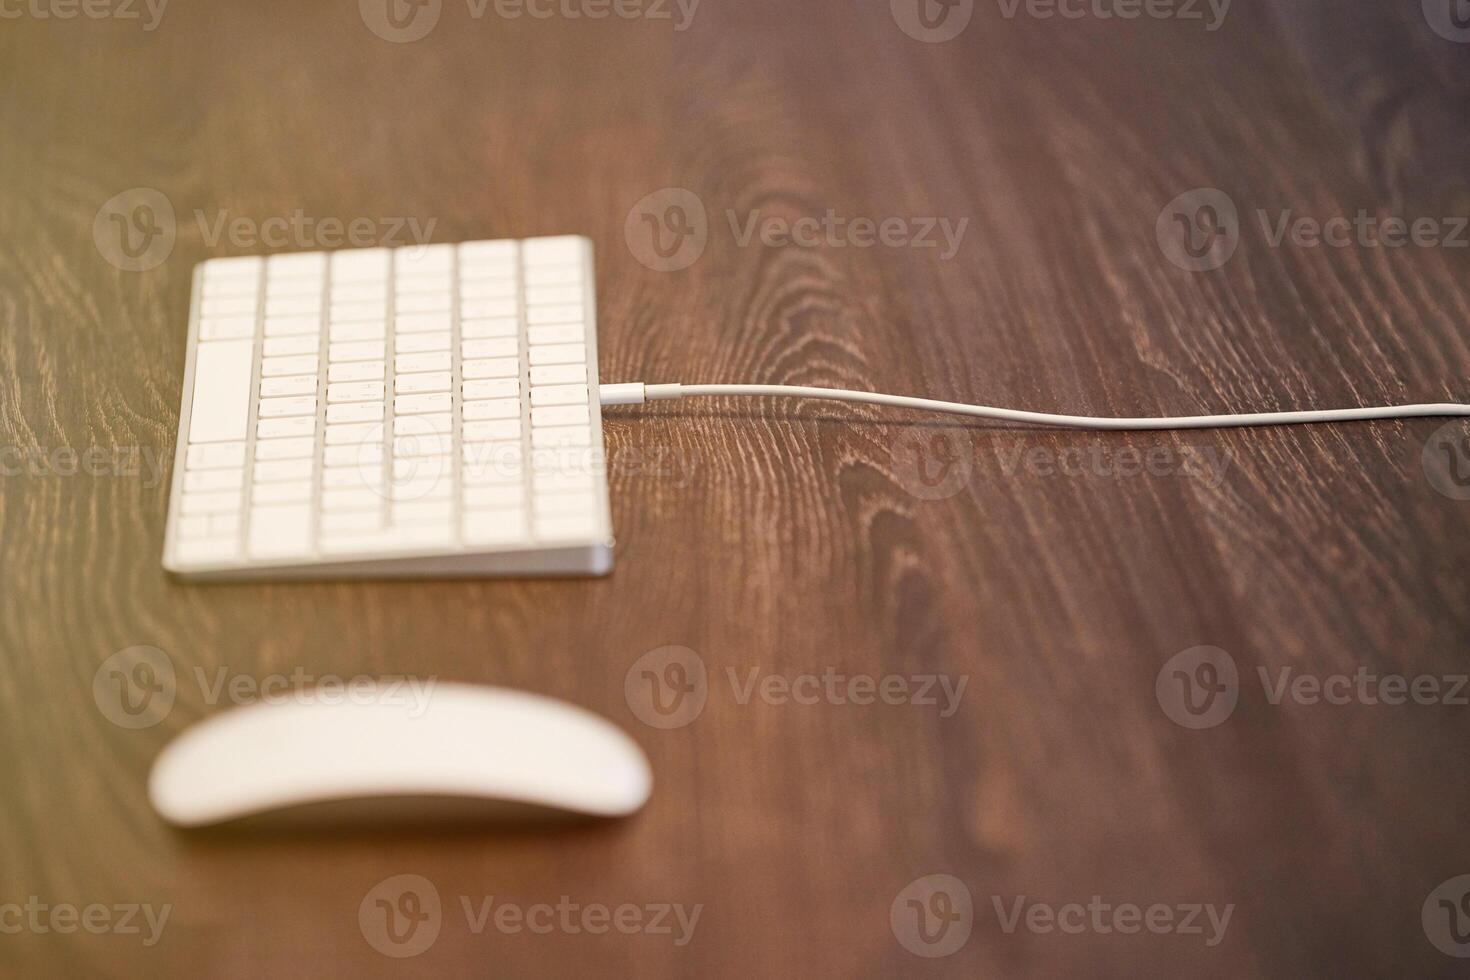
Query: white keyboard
x=429 y=410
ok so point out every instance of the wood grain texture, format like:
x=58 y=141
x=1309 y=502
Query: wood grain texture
x=793 y=537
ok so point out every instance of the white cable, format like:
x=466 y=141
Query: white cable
x=636 y=393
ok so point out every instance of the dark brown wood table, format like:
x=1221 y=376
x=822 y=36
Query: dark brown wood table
x=1087 y=802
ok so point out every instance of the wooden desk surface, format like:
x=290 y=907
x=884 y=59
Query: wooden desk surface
x=1056 y=573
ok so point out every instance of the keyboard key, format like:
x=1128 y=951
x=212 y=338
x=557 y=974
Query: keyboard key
x=355 y=412
x=365 y=454
x=361 y=350
x=292 y=326
x=477 y=308
x=504 y=388
x=301 y=425
x=561 y=504
x=565 y=527
x=280 y=470
x=555 y=333
x=220 y=409
x=559 y=354
x=296 y=384
x=548 y=437
x=210 y=503
x=415 y=343
x=273 y=367
x=207 y=480
x=433 y=301
x=495 y=526
x=423 y=512
x=276 y=305
x=561 y=415
x=437 y=424
x=312 y=265
x=413 y=363
x=553 y=250
x=491 y=431
x=280 y=531
x=559 y=395
x=494 y=367
x=246 y=305
x=352 y=520
x=417 y=384
x=421 y=404
x=355 y=391
x=193 y=527
x=278 y=408
x=227 y=328
x=562 y=295
x=206 y=551
x=216 y=456
x=556 y=374
x=497 y=496
x=349 y=477
x=373 y=291
x=364 y=330
x=489 y=289
x=492 y=327
x=354 y=433
x=568 y=314
x=500 y=408
x=490 y=347
x=356 y=371
x=359 y=264
x=281 y=493
x=347 y=500
x=493 y=250
x=236 y=268
x=422 y=322
x=342 y=314
x=294 y=448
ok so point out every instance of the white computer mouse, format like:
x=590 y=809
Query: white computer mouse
x=460 y=751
